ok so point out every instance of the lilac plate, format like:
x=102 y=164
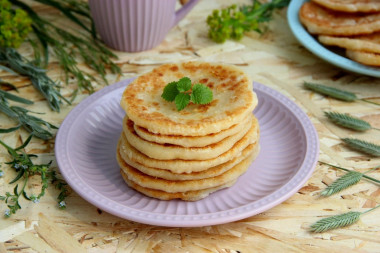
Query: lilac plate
x=86 y=146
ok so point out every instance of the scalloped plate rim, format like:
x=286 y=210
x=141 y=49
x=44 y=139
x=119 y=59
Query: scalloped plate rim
x=181 y=220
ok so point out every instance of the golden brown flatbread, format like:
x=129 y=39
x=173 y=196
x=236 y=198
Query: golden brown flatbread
x=185 y=166
x=173 y=186
x=350 y=5
x=366 y=43
x=171 y=152
x=187 y=196
x=233 y=99
x=364 y=57
x=319 y=20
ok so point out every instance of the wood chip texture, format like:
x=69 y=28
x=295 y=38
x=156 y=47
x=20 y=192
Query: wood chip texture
x=275 y=59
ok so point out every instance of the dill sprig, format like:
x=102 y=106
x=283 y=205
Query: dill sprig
x=335 y=93
x=363 y=146
x=349 y=121
x=338 y=221
x=347 y=180
x=47 y=87
x=68 y=46
x=38 y=127
x=22 y=163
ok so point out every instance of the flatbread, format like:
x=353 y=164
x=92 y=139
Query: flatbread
x=170 y=152
x=184 y=166
x=364 y=57
x=174 y=186
x=193 y=141
x=251 y=150
x=350 y=5
x=187 y=196
x=233 y=99
x=319 y=20
x=367 y=43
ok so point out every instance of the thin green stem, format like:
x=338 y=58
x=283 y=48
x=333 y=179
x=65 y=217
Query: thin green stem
x=368 y=101
x=373 y=208
x=371 y=170
x=26 y=175
x=365 y=176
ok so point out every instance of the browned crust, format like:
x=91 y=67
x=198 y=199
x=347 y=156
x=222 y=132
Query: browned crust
x=187 y=196
x=194 y=120
x=319 y=20
x=351 y=5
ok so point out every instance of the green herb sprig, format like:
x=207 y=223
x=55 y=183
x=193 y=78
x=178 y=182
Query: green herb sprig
x=346 y=120
x=34 y=125
x=25 y=168
x=232 y=22
x=47 y=87
x=347 y=180
x=69 y=46
x=344 y=169
x=181 y=92
x=363 y=146
x=335 y=93
x=338 y=221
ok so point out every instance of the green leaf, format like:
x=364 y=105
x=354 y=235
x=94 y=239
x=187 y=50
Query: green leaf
x=19 y=175
x=8 y=130
x=182 y=100
x=347 y=180
x=170 y=92
x=184 y=84
x=336 y=221
x=332 y=92
x=15 y=190
x=363 y=146
x=348 y=121
x=25 y=143
x=15 y=98
x=201 y=94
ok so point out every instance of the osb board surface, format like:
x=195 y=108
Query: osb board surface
x=275 y=59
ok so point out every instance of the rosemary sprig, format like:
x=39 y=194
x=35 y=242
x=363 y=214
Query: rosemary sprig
x=48 y=88
x=335 y=93
x=35 y=125
x=25 y=168
x=348 y=121
x=68 y=46
x=347 y=180
x=363 y=146
x=338 y=221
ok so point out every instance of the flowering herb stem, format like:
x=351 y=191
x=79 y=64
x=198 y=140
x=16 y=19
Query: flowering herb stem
x=25 y=168
x=365 y=176
x=338 y=221
x=335 y=93
x=347 y=180
x=69 y=46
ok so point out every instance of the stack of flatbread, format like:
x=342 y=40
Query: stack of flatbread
x=169 y=154
x=350 y=24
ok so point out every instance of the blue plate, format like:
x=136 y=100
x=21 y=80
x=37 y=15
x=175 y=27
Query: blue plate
x=313 y=45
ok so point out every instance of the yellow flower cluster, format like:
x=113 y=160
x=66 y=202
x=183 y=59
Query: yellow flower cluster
x=15 y=25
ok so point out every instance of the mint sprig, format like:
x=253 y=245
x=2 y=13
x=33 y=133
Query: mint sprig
x=182 y=93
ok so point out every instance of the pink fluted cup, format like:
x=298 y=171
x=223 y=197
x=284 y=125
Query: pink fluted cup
x=136 y=25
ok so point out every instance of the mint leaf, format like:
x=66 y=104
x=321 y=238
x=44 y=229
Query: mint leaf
x=170 y=92
x=182 y=100
x=184 y=84
x=201 y=94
